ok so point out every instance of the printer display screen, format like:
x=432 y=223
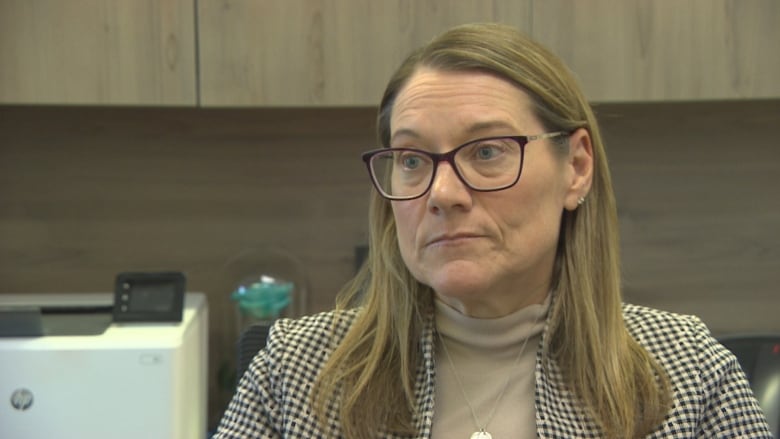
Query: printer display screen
x=152 y=297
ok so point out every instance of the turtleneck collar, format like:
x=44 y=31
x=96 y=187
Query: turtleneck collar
x=499 y=333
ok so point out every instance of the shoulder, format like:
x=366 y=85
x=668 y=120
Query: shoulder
x=272 y=397
x=676 y=338
x=712 y=397
x=312 y=334
x=694 y=360
x=296 y=349
x=656 y=327
x=314 y=324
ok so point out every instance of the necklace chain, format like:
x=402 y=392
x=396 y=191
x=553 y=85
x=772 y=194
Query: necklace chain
x=482 y=428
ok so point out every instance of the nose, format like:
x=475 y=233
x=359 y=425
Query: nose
x=447 y=190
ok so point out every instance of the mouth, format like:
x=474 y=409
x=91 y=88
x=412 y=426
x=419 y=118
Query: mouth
x=451 y=239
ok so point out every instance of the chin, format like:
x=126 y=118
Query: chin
x=456 y=283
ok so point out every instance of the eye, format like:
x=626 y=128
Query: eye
x=486 y=152
x=487 y=149
x=410 y=160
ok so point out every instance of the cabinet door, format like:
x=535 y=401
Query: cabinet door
x=636 y=50
x=321 y=52
x=97 y=52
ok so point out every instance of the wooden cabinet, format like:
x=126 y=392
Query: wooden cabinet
x=638 y=50
x=339 y=52
x=293 y=53
x=322 y=52
x=97 y=52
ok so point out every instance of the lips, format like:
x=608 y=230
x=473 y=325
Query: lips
x=447 y=238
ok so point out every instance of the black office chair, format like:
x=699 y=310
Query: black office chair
x=759 y=356
x=251 y=340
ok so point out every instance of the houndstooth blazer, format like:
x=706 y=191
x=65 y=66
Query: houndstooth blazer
x=712 y=398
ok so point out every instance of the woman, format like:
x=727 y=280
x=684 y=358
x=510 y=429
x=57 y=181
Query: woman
x=490 y=302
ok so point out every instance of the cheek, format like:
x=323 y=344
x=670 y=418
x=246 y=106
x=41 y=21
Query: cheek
x=406 y=226
x=532 y=214
x=544 y=190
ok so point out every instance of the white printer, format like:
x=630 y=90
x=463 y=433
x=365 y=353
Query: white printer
x=87 y=376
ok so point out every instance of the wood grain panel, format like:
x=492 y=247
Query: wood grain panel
x=97 y=52
x=699 y=209
x=321 y=52
x=634 y=50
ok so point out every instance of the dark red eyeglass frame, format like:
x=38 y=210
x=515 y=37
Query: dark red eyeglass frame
x=449 y=157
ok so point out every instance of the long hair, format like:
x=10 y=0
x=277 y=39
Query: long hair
x=617 y=382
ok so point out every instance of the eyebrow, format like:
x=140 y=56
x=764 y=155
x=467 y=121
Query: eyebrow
x=470 y=130
x=404 y=132
x=489 y=125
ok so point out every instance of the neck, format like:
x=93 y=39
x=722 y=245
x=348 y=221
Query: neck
x=485 y=307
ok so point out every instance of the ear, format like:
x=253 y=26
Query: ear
x=579 y=166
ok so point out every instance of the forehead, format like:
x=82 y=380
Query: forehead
x=458 y=102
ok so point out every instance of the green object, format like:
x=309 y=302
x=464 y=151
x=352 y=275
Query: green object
x=263 y=300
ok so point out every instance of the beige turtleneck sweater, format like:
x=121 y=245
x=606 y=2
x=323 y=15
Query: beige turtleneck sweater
x=485 y=355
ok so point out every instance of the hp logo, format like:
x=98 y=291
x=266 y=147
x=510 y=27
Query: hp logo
x=21 y=399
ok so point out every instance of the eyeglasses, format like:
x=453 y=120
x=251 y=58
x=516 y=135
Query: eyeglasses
x=484 y=165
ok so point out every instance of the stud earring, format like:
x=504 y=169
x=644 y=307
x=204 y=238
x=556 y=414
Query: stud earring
x=580 y=201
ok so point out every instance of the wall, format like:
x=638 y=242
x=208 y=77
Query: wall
x=697 y=188
x=88 y=192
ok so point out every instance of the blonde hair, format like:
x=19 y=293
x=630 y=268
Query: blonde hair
x=371 y=374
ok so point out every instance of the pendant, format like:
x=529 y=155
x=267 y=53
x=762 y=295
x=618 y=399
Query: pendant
x=481 y=434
